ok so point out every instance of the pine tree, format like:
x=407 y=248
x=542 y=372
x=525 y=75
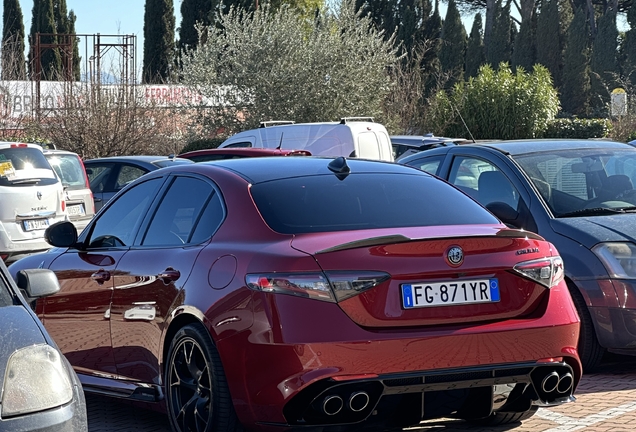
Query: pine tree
x=453 y=49
x=193 y=12
x=43 y=22
x=500 y=48
x=158 y=41
x=475 y=53
x=524 y=53
x=549 y=40
x=604 y=63
x=13 y=67
x=575 y=90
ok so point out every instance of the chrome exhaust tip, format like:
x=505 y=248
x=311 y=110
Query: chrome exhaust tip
x=358 y=401
x=550 y=382
x=332 y=405
x=565 y=383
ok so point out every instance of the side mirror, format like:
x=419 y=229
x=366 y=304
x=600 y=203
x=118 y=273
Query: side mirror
x=36 y=283
x=504 y=212
x=61 y=234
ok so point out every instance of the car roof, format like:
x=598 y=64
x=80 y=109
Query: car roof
x=257 y=170
x=247 y=151
x=58 y=152
x=518 y=147
x=138 y=158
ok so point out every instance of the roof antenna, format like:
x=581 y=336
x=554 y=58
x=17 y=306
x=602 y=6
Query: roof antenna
x=462 y=119
x=339 y=167
x=280 y=144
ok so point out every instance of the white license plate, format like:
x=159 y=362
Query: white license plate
x=35 y=224
x=450 y=293
x=76 y=210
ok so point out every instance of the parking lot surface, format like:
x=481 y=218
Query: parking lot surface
x=606 y=401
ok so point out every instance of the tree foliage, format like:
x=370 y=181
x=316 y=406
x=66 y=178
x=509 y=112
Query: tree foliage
x=475 y=53
x=628 y=49
x=275 y=66
x=604 y=63
x=43 y=21
x=575 y=90
x=12 y=41
x=454 y=40
x=499 y=50
x=550 y=40
x=497 y=104
x=524 y=53
x=193 y=12
x=159 y=25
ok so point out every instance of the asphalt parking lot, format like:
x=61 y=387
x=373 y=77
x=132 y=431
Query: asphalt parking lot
x=606 y=401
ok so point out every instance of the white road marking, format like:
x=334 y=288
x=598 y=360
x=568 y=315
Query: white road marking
x=573 y=424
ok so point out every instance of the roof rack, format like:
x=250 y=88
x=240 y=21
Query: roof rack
x=345 y=120
x=265 y=124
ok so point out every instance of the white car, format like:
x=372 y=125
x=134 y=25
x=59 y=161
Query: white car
x=350 y=137
x=31 y=199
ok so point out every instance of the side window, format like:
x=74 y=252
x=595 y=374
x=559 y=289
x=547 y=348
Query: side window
x=368 y=146
x=98 y=176
x=483 y=181
x=188 y=213
x=118 y=225
x=430 y=164
x=239 y=144
x=128 y=173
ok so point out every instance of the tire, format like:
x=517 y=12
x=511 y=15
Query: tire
x=590 y=351
x=197 y=394
x=505 y=418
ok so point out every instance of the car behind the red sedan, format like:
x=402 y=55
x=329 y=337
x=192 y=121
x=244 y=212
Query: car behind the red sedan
x=284 y=293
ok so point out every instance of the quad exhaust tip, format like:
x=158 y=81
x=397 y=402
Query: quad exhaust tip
x=565 y=383
x=332 y=405
x=560 y=383
x=358 y=401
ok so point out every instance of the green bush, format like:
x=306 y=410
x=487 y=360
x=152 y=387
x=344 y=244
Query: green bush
x=496 y=105
x=578 y=128
x=202 y=144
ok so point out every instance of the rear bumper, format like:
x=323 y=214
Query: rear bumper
x=303 y=348
x=16 y=245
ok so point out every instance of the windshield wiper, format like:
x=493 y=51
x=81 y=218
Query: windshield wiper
x=598 y=211
x=25 y=181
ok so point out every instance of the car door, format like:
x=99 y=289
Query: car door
x=78 y=316
x=151 y=276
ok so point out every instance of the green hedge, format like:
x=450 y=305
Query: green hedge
x=202 y=144
x=578 y=128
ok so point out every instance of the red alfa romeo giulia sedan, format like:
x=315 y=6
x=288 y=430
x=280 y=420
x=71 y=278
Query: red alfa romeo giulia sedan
x=304 y=293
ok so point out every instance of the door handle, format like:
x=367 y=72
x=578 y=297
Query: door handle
x=169 y=275
x=101 y=276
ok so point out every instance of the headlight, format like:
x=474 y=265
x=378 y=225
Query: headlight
x=35 y=380
x=619 y=258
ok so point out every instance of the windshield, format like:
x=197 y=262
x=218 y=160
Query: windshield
x=69 y=169
x=580 y=182
x=363 y=201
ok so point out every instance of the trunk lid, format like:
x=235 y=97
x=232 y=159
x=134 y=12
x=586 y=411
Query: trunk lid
x=421 y=268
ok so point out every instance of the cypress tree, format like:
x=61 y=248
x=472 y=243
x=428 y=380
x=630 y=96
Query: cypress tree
x=453 y=49
x=76 y=74
x=629 y=49
x=13 y=67
x=43 y=21
x=500 y=48
x=193 y=12
x=524 y=53
x=158 y=41
x=549 y=40
x=575 y=90
x=475 y=53
x=604 y=62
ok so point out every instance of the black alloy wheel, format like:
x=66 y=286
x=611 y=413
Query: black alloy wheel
x=197 y=394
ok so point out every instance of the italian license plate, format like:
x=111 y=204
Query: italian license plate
x=75 y=210
x=35 y=224
x=450 y=293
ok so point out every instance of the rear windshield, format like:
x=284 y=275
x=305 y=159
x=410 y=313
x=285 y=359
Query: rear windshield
x=363 y=201
x=69 y=169
x=24 y=166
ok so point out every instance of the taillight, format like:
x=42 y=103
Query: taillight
x=546 y=271
x=330 y=286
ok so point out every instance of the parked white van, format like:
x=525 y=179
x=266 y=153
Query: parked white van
x=31 y=199
x=351 y=137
